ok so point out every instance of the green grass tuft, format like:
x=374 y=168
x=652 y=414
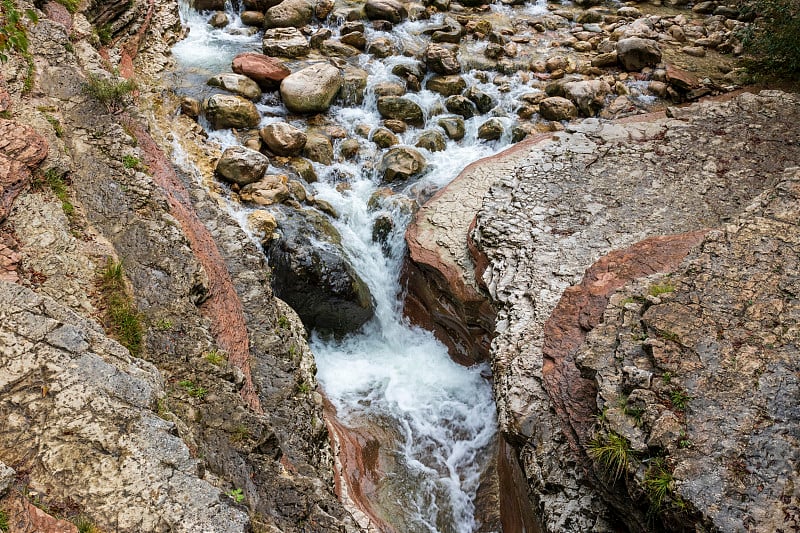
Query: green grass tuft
x=84 y=525
x=4 y=525
x=123 y=319
x=660 y=288
x=679 y=399
x=612 y=453
x=658 y=483
x=216 y=357
x=109 y=92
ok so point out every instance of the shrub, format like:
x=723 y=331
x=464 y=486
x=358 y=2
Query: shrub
x=772 y=40
x=13 y=35
x=109 y=92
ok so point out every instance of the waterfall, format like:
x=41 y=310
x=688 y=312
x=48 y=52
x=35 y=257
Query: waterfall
x=390 y=373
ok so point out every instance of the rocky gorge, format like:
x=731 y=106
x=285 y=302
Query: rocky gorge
x=629 y=281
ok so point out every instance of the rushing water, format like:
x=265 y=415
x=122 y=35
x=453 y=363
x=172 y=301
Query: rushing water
x=390 y=373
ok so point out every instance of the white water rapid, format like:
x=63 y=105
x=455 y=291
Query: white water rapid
x=390 y=373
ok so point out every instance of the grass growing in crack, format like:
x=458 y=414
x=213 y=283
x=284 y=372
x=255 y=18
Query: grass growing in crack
x=658 y=483
x=679 y=399
x=4 y=526
x=124 y=320
x=54 y=122
x=85 y=525
x=53 y=179
x=240 y=433
x=283 y=322
x=613 y=454
x=164 y=324
x=133 y=162
x=193 y=390
x=216 y=357
x=660 y=288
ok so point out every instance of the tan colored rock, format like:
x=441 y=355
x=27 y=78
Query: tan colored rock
x=264 y=70
x=312 y=89
x=283 y=139
x=270 y=190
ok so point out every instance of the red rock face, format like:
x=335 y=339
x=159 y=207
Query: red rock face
x=581 y=309
x=264 y=70
x=21 y=151
x=24 y=517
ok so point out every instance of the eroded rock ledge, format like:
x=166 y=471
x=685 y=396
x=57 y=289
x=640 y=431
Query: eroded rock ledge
x=552 y=209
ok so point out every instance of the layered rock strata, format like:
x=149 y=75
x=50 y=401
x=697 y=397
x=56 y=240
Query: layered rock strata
x=549 y=210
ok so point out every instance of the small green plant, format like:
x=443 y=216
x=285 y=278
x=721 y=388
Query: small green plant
x=659 y=289
x=283 y=322
x=109 y=92
x=669 y=335
x=658 y=483
x=164 y=324
x=236 y=495
x=240 y=433
x=613 y=454
x=304 y=387
x=30 y=74
x=130 y=161
x=216 y=357
x=58 y=185
x=112 y=274
x=4 y=526
x=679 y=399
x=124 y=321
x=104 y=34
x=193 y=390
x=666 y=378
x=13 y=34
x=71 y=5
x=54 y=122
x=684 y=443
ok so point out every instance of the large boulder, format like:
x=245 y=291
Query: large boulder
x=310 y=273
x=312 y=89
x=285 y=42
x=241 y=165
x=399 y=108
x=319 y=148
x=392 y=10
x=266 y=71
x=635 y=53
x=557 y=108
x=453 y=127
x=229 y=111
x=402 y=163
x=588 y=95
x=441 y=60
x=289 y=14
x=283 y=139
x=491 y=130
x=461 y=105
x=237 y=83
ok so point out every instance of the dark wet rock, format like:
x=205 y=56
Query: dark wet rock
x=191 y=107
x=384 y=138
x=397 y=107
x=491 y=130
x=218 y=20
x=453 y=127
x=401 y=163
x=392 y=10
x=482 y=101
x=241 y=165
x=349 y=149
x=431 y=140
x=395 y=125
x=228 y=111
x=208 y=5
x=461 y=105
x=319 y=148
x=381 y=230
x=310 y=273
x=354 y=84
x=450 y=31
x=355 y=39
x=441 y=60
x=446 y=85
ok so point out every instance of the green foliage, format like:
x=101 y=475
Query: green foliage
x=193 y=390
x=679 y=399
x=666 y=377
x=130 y=161
x=658 y=483
x=13 y=34
x=57 y=128
x=283 y=322
x=124 y=320
x=236 y=495
x=4 y=526
x=30 y=73
x=109 y=92
x=164 y=324
x=53 y=179
x=84 y=525
x=240 y=433
x=772 y=40
x=216 y=357
x=660 y=288
x=304 y=387
x=104 y=34
x=612 y=453
x=71 y=5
